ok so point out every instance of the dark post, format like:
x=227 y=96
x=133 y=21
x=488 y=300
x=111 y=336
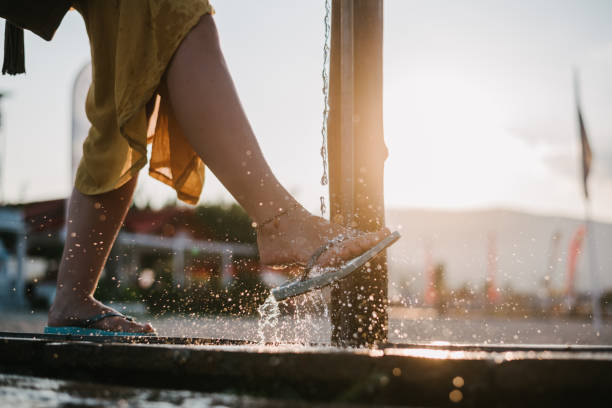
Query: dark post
x=357 y=153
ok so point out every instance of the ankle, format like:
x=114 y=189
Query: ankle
x=66 y=307
x=64 y=301
x=280 y=215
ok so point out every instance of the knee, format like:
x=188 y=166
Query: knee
x=206 y=31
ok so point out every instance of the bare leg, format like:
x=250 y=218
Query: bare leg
x=207 y=107
x=92 y=226
x=210 y=114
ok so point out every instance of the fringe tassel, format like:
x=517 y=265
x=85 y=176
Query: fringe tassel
x=14 y=52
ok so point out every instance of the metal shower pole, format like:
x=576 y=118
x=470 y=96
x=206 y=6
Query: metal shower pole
x=357 y=153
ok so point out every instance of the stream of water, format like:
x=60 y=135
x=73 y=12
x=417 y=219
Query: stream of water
x=306 y=310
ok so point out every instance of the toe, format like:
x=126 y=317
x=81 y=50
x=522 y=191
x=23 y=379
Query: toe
x=140 y=328
x=370 y=239
x=120 y=324
x=367 y=242
x=354 y=248
x=351 y=248
x=134 y=327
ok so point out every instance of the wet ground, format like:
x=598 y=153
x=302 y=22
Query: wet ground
x=18 y=391
x=405 y=326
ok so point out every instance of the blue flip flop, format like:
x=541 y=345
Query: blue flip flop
x=86 y=330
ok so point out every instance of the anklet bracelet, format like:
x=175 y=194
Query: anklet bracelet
x=277 y=216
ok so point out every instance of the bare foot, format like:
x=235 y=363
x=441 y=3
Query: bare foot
x=295 y=236
x=71 y=311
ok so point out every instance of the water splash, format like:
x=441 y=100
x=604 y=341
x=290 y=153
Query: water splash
x=269 y=313
x=307 y=321
x=309 y=316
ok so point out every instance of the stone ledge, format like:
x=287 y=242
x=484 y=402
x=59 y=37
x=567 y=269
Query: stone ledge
x=425 y=375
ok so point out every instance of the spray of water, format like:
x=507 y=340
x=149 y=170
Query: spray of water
x=269 y=313
x=306 y=323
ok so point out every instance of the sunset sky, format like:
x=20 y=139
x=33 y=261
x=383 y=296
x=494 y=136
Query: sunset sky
x=479 y=108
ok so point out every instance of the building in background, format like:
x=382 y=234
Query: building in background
x=13 y=273
x=197 y=243
x=529 y=263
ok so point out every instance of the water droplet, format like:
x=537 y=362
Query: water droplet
x=455 y=396
x=458 y=382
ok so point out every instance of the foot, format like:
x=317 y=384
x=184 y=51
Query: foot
x=295 y=236
x=68 y=311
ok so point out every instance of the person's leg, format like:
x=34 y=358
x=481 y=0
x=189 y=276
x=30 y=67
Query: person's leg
x=209 y=112
x=91 y=228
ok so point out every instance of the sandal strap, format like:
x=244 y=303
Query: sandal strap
x=102 y=316
x=317 y=254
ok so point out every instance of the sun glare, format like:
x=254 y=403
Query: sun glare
x=451 y=144
x=432 y=353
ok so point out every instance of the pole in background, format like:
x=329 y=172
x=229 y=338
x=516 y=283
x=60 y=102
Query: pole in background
x=574 y=251
x=491 y=294
x=430 y=271
x=551 y=270
x=586 y=160
x=357 y=153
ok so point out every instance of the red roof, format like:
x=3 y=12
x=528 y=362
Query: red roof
x=49 y=216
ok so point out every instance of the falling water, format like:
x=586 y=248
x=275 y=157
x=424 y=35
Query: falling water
x=307 y=323
x=269 y=313
x=309 y=317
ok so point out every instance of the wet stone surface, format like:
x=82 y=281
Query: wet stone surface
x=405 y=326
x=17 y=391
x=421 y=375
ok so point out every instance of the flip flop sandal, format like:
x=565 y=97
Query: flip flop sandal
x=86 y=330
x=305 y=283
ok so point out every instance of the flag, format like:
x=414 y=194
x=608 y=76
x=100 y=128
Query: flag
x=430 y=286
x=491 y=289
x=587 y=155
x=574 y=251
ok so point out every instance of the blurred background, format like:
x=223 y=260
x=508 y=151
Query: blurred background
x=484 y=178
